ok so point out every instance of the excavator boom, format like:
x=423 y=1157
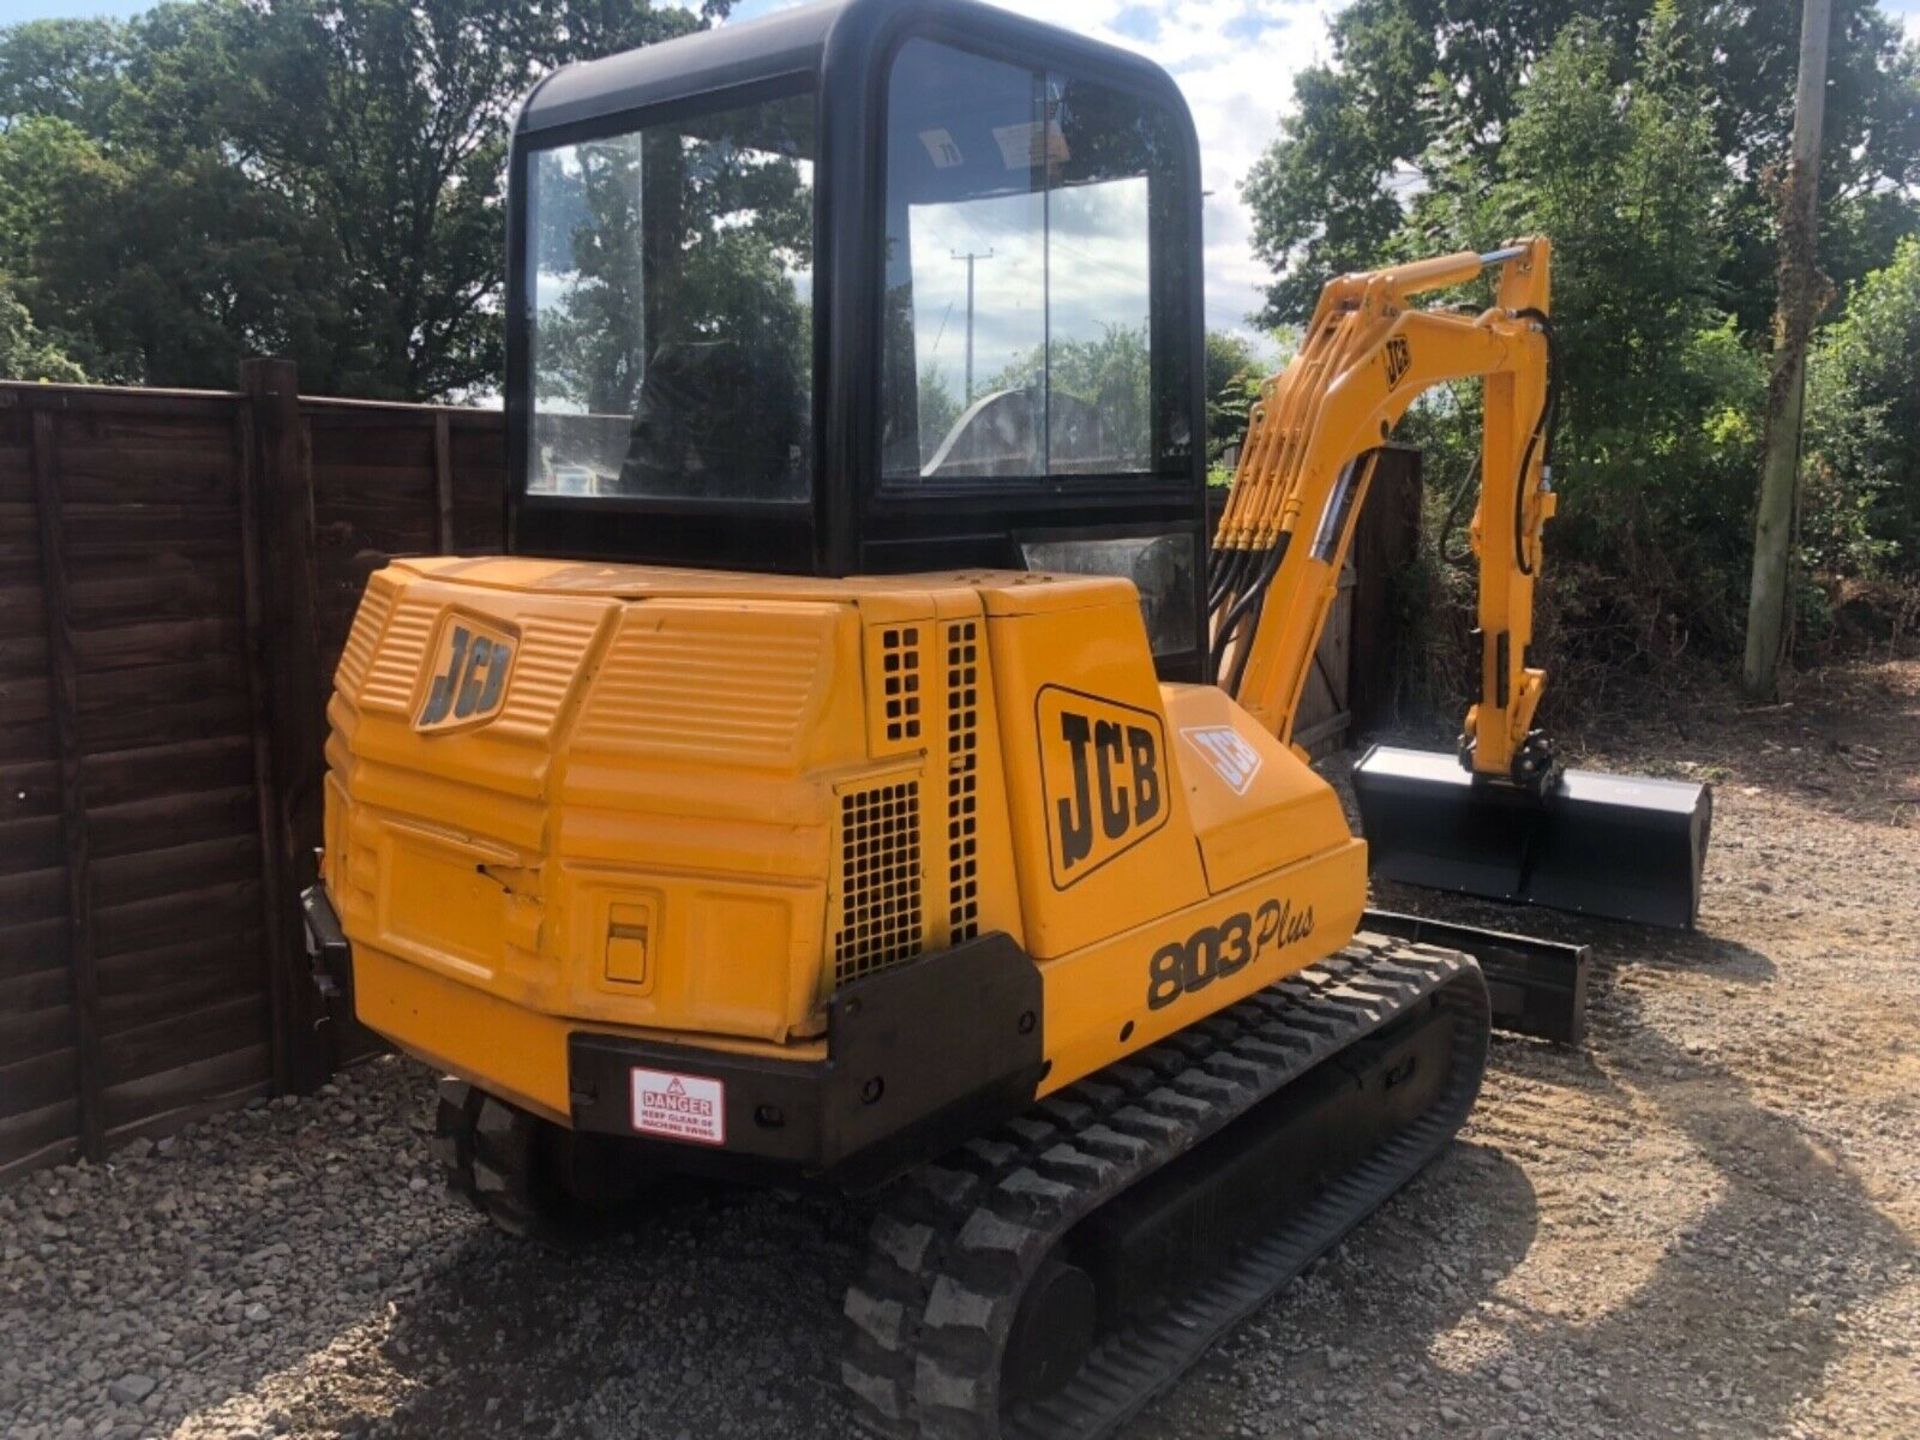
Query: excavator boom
x=1506 y=822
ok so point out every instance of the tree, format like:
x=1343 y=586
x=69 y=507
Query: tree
x=63 y=69
x=1234 y=377
x=154 y=271
x=1110 y=376
x=1416 y=85
x=24 y=353
x=1661 y=394
x=1862 y=503
x=706 y=249
x=321 y=178
x=939 y=407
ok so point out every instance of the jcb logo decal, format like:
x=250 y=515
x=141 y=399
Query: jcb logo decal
x=1102 y=766
x=1398 y=356
x=468 y=675
x=1232 y=758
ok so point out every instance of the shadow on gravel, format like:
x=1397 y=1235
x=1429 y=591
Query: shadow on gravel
x=720 y=1317
x=714 y=1316
x=1747 y=1303
x=1473 y=1198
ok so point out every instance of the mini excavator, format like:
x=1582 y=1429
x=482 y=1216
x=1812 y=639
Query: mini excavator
x=863 y=770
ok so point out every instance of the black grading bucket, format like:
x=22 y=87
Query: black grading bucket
x=1620 y=846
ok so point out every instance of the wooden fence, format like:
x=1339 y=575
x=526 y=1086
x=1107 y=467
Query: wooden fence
x=177 y=574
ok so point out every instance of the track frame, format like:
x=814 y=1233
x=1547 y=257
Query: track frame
x=960 y=1240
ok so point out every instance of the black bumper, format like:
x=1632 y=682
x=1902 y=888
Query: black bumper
x=919 y=1057
x=328 y=954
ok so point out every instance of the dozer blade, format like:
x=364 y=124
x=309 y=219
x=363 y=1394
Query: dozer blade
x=1536 y=987
x=1617 y=846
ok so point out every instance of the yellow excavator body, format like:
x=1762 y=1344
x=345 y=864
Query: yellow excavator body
x=689 y=805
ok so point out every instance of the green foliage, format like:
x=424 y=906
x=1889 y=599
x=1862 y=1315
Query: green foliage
x=316 y=178
x=1416 y=86
x=729 y=215
x=1642 y=137
x=1110 y=374
x=939 y=407
x=1653 y=459
x=1861 y=508
x=24 y=353
x=1234 y=376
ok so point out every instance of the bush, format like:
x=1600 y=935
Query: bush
x=1860 y=510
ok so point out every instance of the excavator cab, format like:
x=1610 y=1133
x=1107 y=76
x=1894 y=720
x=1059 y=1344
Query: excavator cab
x=864 y=289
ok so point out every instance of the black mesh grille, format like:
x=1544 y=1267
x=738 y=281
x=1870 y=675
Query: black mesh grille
x=900 y=669
x=879 y=879
x=963 y=781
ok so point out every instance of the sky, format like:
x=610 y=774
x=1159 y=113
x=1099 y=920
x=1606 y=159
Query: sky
x=1234 y=61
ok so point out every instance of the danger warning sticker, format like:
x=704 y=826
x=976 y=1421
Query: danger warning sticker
x=680 y=1107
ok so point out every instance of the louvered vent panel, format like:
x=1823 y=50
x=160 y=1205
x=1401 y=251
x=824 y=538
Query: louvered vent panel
x=396 y=662
x=691 y=688
x=880 y=908
x=963 y=780
x=364 y=638
x=900 y=667
x=551 y=651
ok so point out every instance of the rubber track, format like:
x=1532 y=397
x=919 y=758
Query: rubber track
x=485 y=1147
x=954 y=1247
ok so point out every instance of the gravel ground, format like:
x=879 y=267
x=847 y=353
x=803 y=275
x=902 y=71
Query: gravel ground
x=1704 y=1223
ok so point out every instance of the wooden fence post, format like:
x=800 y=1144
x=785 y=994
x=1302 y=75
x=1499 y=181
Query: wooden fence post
x=1386 y=540
x=284 y=666
x=63 y=688
x=443 y=479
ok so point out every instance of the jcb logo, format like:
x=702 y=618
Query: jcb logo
x=468 y=675
x=1398 y=355
x=1102 y=768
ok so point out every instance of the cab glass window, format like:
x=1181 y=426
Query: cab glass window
x=1160 y=567
x=671 y=287
x=1036 y=276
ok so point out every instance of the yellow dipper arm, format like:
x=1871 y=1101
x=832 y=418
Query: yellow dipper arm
x=1306 y=463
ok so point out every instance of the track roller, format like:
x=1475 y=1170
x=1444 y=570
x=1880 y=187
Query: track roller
x=533 y=1179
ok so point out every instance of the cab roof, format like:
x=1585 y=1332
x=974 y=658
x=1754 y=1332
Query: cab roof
x=784 y=42
x=797 y=41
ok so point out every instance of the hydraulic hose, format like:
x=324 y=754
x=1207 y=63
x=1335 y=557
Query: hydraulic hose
x=1543 y=430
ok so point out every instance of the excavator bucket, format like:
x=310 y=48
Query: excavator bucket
x=1617 y=846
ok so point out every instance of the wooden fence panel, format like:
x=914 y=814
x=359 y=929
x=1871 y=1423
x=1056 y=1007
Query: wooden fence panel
x=39 y=1097
x=134 y=959
x=149 y=492
x=177 y=573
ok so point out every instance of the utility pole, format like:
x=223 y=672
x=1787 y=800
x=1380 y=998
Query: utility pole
x=970 y=256
x=1799 y=277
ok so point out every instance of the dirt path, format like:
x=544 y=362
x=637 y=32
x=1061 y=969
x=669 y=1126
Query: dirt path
x=1705 y=1223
